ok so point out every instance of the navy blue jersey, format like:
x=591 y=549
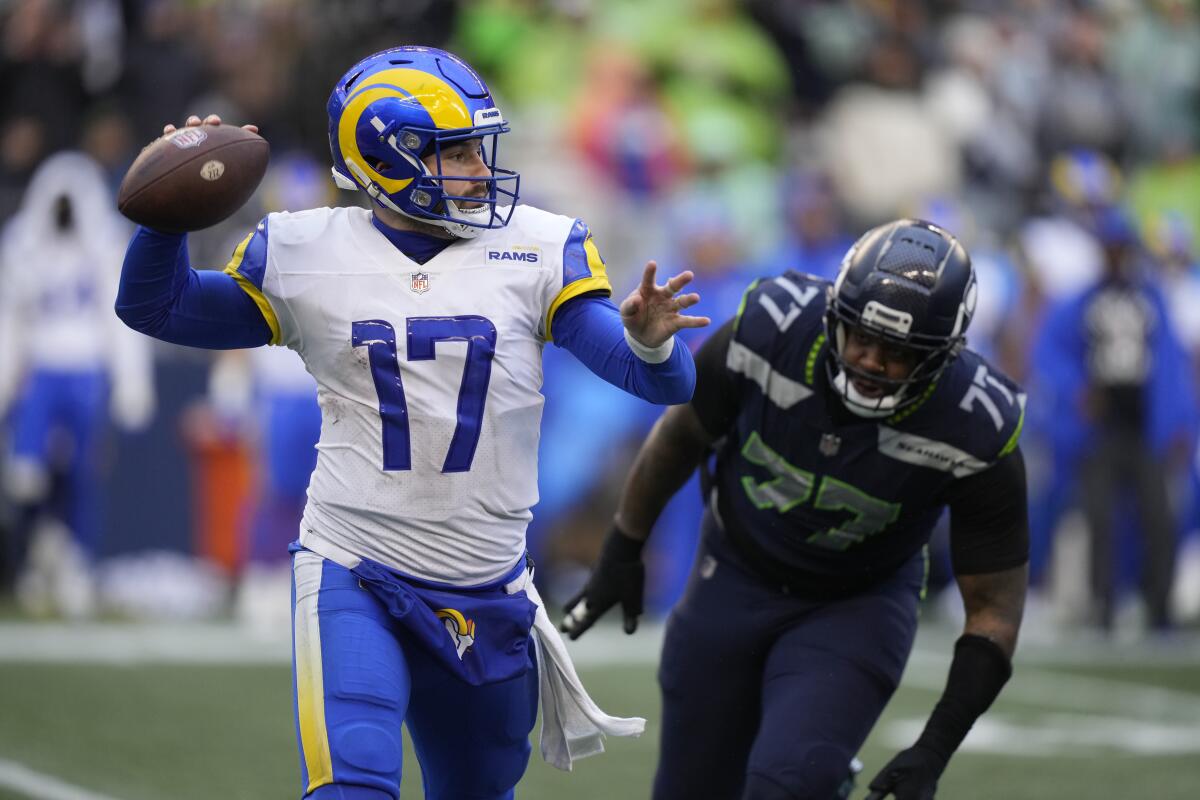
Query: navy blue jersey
x=833 y=499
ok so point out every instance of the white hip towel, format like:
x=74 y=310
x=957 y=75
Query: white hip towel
x=573 y=726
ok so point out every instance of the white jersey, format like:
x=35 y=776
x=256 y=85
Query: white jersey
x=428 y=378
x=57 y=284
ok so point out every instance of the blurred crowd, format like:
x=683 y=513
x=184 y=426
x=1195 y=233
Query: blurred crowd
x=736 y=138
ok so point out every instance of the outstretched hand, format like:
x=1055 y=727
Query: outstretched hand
x=194 y=121
x=651 y=312
x=619 y=577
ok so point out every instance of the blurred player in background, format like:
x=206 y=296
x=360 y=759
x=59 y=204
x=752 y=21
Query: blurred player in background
x=66 y=368
x=272 y=400
x=423 y=322
x=844 y=417
x=1125 y=414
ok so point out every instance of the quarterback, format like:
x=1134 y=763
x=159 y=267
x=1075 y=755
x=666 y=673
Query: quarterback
x=844 y=418
x=423 y=322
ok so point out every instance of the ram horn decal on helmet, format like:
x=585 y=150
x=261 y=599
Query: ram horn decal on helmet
x=393 y=110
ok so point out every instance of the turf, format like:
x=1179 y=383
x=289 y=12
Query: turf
x=203 y=731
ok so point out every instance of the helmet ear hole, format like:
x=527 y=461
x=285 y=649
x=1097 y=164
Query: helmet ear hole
x=410 y=140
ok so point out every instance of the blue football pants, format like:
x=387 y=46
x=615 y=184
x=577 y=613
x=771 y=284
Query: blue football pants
x=74 y=404
x=767 y=696
x=358 y=676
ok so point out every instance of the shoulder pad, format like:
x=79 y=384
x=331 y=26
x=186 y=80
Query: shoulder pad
x=972 y=419
x=777 y=332
x=984 y=406
x=536 y=225
x=297 y=227
x=789 y=303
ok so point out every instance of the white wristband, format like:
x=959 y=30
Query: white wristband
x=651 y=355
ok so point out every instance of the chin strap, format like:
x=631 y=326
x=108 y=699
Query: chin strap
x=861 y=405
x=342 y=181
x=855 y=401
x=461 y=230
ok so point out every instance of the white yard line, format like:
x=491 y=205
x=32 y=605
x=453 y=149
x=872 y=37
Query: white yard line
x=38 y=786
x=1051 y=735
x=135 y=644
x=1041 y=688
x=127 y=644
x=227 y=643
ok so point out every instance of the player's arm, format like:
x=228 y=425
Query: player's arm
x=160 y=295
x=676 y=445
x=634 y=347
x=990 y=552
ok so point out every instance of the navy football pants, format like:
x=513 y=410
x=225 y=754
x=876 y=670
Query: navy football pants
x=768 y=696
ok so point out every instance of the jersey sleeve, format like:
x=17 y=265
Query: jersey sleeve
x=996 y=408
x=777 y=336
x=583 y=272
x=989 y=518
x=248 y=267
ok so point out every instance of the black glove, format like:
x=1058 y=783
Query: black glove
x=911 y=775
x=619 y=576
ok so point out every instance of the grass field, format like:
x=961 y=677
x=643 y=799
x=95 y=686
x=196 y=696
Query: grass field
x=127 y=713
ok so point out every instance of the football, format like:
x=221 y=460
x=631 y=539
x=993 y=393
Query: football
x=193 y=177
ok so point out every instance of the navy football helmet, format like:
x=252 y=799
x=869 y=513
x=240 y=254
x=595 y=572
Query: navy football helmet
x=396 y=107
x=909 y=283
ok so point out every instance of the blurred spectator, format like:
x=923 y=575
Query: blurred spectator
x=1168 y=186
x=165 y=67
x=1082 y=102
x=22 y=147
x=621 y=127
x=1125 y=412
x=815 y=238
x=881 y=146
x=534 y=51
x=823 y=43
x=1172 y=241
x=721 y=74
x=41 y=59
x=66 y=364
x=107 y=138
x=983 y=96
x=1059 y=247
x=1155 y=53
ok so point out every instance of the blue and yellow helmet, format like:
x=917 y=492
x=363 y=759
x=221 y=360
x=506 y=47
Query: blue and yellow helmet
x=397 y=107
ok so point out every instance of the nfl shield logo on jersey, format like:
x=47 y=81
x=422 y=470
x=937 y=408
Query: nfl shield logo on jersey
x=830 y=444
x=419 y=282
